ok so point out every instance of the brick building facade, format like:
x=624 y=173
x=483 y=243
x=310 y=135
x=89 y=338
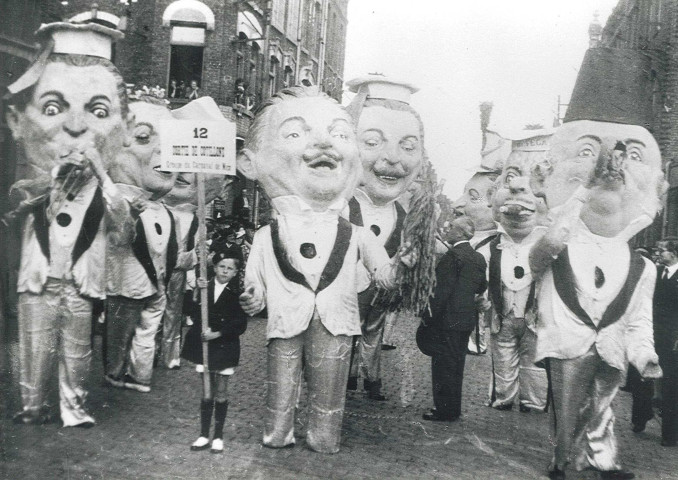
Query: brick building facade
x=651 y=26
x=260 y=46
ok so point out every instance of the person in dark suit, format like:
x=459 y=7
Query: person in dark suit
x=227 y=321
x=665 y=308
x=460 y=278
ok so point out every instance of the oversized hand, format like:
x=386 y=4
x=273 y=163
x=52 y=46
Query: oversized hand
x=138 y=205
x=251 y=301
x=651 y=370
x=408 y=255
x=482 y=303
x=94 y=159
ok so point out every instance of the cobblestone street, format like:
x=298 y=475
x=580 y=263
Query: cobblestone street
x=141 y=436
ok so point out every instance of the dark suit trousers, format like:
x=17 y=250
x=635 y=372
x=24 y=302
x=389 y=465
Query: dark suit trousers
x=665 y=336
x=642 y=393
x=447 y=372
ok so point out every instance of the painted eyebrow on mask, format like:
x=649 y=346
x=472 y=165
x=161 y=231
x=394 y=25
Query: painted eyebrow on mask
x=144 y=124
x=592 y=137
x=634 y=141
x=55 y=93
x=291 y=120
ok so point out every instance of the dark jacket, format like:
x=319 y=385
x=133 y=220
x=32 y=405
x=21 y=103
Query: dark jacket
x=460 y=276
x=225 y=316
x=665 y=312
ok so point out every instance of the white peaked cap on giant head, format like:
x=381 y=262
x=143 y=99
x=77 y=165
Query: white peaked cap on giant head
x=538 y=140
x=203 y=108
x=380 y=86
x=90 y=39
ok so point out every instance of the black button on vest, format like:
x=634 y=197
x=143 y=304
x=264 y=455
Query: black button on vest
x=599 y=279
x=518 y=272
x=63 y=219
x=307 y=250
x=158 y=228
x=375 y=229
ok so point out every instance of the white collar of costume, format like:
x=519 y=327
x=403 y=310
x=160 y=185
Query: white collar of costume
x=184 y=207
x=508 y=242
x=366 y=201
x=294 y=205
x=131 y=192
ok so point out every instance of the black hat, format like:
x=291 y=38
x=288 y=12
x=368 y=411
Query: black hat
x=614 y=85
x=223 y=253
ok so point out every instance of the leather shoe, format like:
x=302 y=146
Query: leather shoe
x=376 y=396
x=638 y=427
x=668 y=443
x=27 y=418
x=617 y=474
x=557 y=474
x=434 y=417
x=388 y=347
x=504 y=408
x=352 y=383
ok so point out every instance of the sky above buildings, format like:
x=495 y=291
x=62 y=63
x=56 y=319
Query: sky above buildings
x=518 y=54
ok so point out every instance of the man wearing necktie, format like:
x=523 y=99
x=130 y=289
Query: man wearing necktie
x=665 y=307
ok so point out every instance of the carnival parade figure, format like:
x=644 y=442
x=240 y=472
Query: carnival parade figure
x=603 y=180
x=302 y=267
x=182 y=201
x=475 y=204
x=391 y=143
x=512 y=289
x=139 y=267
x=69 y=114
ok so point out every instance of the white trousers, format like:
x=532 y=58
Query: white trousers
x=582 y=420
x=514 y=374
x=55 y=329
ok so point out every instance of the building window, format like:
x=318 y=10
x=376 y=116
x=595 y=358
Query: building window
x=189 y=21
x=273 y=77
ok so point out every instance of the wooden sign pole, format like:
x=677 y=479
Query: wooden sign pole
x=202 y=259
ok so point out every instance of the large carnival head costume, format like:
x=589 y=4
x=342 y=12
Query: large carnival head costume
x=302 y=143
x=605 y=145
x=475 y=202
x=390 y=136
x=70 y=100
x=515 y=206
x=138 y=163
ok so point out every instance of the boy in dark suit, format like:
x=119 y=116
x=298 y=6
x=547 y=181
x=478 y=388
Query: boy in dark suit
x=227 y=321
x=460 y=278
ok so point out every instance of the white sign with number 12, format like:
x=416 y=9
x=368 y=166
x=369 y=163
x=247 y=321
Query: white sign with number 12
x=198 y=146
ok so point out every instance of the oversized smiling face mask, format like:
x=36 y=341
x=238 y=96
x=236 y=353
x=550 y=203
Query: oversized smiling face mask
x=620 y=164
x=138 y=163
x=391 y=151
x=306 y=147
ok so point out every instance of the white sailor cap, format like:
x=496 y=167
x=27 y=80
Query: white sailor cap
x=379 y=86
x=532 y=140
x=89 y=39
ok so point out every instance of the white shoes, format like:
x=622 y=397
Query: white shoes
x=202 y=443
x=217 y=446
